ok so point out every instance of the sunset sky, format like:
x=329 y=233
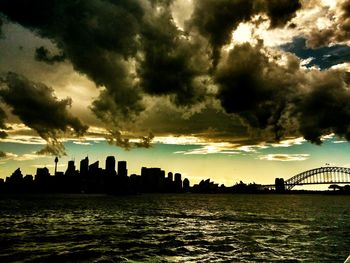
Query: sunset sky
x=229 y=90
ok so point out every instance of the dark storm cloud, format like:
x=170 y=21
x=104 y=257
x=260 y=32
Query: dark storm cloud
x=145 y=141
x=38 y=108
x=43 y=54
x=1 y=27
x=101 y=37
x=115 y=137
x=323 y=57
x=347 y=78
x=119 y=102
x=338 y=32
x=326 y=108
x=96 y=36
x=345 y=26
x=251 y=86
x=3 y=134
x=2 y=154
x=53 y=147
x=108 y=40
x=208 y=122
x=2 y=118
x=283 y=100
x=320 y=38
x=216 y=19
x=171 y=62
x=280 y=11
x=132 y=48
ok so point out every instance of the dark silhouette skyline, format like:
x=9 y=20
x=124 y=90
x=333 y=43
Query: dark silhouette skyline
x=91 y=178
x=114 y=179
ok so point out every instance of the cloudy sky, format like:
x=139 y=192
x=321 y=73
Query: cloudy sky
x=231 y=89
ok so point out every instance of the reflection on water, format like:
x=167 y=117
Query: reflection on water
x=175 y=228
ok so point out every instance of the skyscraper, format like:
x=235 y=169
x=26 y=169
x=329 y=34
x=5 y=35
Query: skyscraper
x=122 y=171
x=186 y=185
x=110 y=165
x=71 y=168
x=177 y=177
x=178 y=182
x=170 y=176
x=84 y=165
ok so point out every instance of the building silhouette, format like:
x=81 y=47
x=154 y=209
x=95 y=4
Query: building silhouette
x=178 y=182
x=71 y=168
x=186 y=185
x=153 y=180
x=94 y=168
x=110 y=165
x=279 y=185
x=84 y=166
x=122 y=171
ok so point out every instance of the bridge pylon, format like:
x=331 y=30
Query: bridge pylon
x=279 y=185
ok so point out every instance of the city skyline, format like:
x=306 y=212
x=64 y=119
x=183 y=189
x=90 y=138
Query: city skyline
x=227 y=90
x=203 y=172
x=85 y=177
x=88 y=177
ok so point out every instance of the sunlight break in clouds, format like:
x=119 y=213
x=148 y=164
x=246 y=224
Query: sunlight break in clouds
x=212 y=148
x=284 y=157
x=289 y=142
x=23 y=157
x=81 y=143
x=24 y=139
x=242 y=34
x=224 y=148
x=29 y=157
x=179 y=140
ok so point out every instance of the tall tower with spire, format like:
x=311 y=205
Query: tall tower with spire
x=56 y=161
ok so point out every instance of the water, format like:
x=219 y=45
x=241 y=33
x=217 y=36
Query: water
x=175 y=228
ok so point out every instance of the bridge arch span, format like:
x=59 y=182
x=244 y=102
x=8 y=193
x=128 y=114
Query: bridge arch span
x=321 y=175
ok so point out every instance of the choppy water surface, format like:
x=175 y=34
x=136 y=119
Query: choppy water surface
x=175 y=228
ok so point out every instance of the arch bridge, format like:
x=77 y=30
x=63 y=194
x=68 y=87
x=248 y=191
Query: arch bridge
x=322 y=175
